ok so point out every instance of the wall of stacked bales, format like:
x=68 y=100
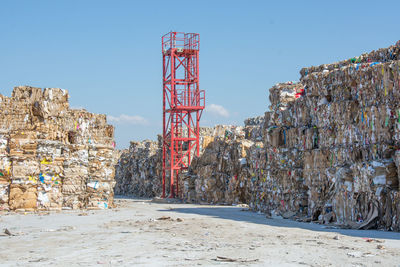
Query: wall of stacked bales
x=328 y=150
x=139 y=170
x=53 y=157
x=352 y=170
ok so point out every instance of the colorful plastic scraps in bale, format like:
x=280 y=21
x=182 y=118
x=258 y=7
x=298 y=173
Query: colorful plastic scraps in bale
x=44 y=153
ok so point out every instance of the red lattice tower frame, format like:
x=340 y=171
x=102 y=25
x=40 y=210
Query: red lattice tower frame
x=183 y=104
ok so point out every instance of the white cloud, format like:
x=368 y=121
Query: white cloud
x=127 y=119
x=218 y=110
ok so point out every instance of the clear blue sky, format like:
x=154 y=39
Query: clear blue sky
x=108 y=53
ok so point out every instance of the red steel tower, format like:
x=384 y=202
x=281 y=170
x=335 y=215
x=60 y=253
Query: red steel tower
x=183 y=104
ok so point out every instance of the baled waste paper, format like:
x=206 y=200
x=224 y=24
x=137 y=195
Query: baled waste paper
x=51 y=155
x=139 y=169
x=328 y=150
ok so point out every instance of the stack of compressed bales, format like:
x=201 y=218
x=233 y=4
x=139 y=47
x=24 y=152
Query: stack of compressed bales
x=76 y=175
x=139 y=170
x=352 y=175
x=328 y=150
x=254 y=128
x=286 y=134
x=44 y=151
x=334 y=146
x=216 y=175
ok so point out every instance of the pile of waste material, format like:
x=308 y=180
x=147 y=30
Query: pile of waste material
x=328 y=150
x=139 y=169
x=331 y=154
x=352 y=141
x=209 y=179
x=53 y=157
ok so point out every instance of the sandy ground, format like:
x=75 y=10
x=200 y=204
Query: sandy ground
x=143 y=233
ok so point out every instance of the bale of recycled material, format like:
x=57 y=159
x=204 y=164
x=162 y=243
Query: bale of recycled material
x=44 y=152
x=23 y=197
x=138 y=171
x=326 y=151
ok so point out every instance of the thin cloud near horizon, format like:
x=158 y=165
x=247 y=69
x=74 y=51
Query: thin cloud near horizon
x=218 y=110
x=128 y=119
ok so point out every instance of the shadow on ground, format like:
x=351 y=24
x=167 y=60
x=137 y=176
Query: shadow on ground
x=238 y=214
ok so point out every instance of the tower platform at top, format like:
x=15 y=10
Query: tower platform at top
x=181 y=43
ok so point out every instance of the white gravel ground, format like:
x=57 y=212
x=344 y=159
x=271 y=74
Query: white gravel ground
x=143 y=233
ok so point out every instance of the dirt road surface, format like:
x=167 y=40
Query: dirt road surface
x=143 y=233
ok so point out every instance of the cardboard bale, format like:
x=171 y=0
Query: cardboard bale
x=44 y=150
x=23 y=197
x=76 y=175
x=25 y=170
